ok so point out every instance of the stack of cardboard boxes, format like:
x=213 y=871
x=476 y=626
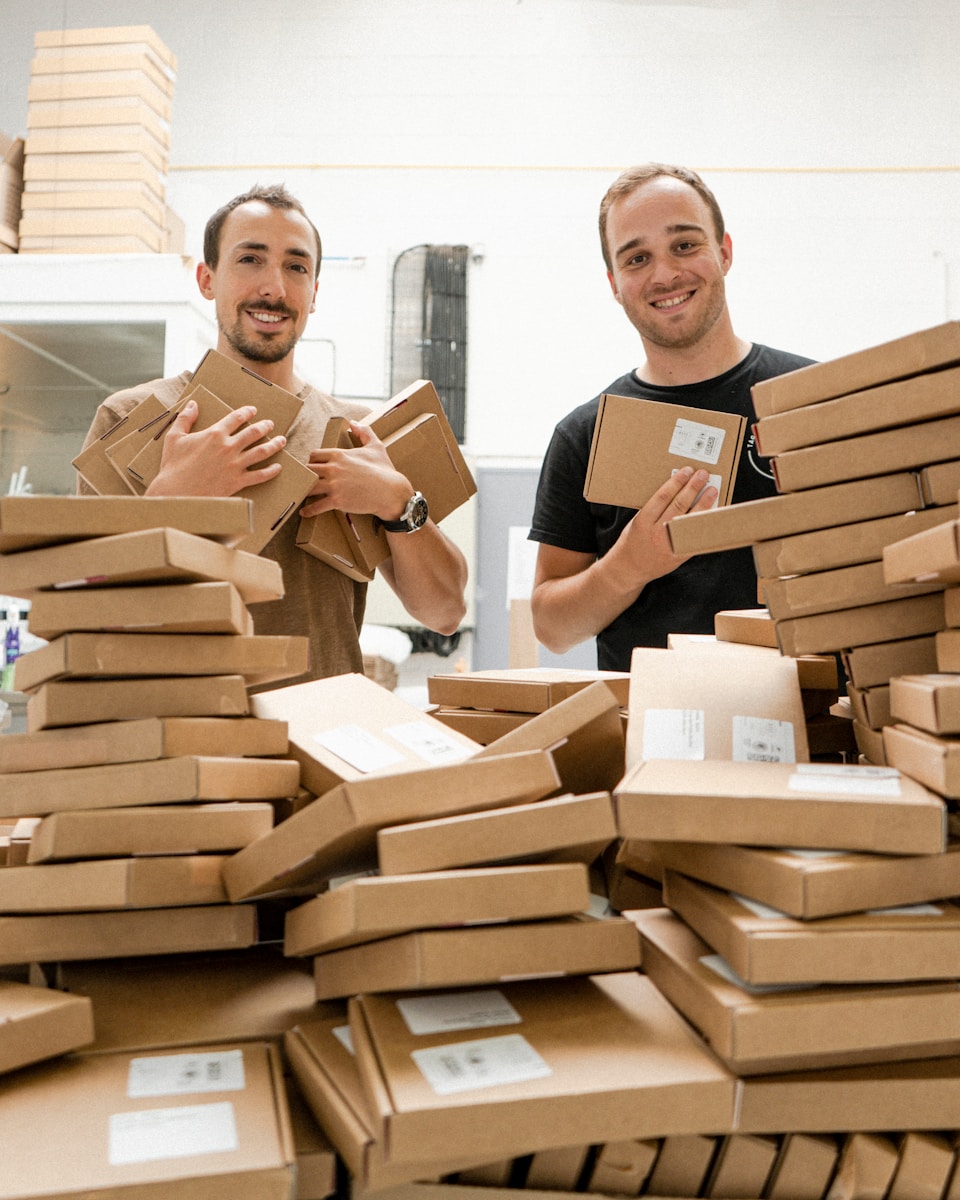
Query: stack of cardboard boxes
x=11 y=189
x=98 y=144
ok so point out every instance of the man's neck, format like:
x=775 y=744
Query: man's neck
x=666 y=367
x=280 y=373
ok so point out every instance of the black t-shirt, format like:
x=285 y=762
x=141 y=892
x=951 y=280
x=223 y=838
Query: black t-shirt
x=686 y=600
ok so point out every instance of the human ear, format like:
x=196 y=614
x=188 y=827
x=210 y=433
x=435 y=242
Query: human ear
x=205 y=281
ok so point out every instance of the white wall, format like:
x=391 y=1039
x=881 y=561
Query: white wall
x=828 y=128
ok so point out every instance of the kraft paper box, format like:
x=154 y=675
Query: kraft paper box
x=316 y=1158
x=346 y=727
x=27 y=522
x=767 y=947
x=813 y=884
x=760 y=1031
x=529 y=690
x=638 y=444
x=51 y=938
x=683 y=707
x=832 y=591
x=930 y=701
x=575 y=828
x=147 y=556
x=781 y=516
x=742 y=1165
x=209 y=1123
x=38 y=1023
x=820 y=806
x=751 y=627
x=117 y=883
x=161 y=781
x=940 y=482
x=925 y=1165
x=82 y=746
x=480 y=726
x=115 y=833
x=869 y=744
x=622 y=1168
x=559 y=1169
x=870 y=706
x=843 y=545
x=897 y=359
x=869 y=665
x=362 y=910
x=479 y=954
x=682 y=1165
x=94 y=465
x=167 y=608
x=890 y=620
x=933 y=761
x=921 y=398
x=815 y=672
x=932 y=556
x=336 y=833
x=76 y=702
x=520 y=1059
x=251 y=994
x=804 y=1167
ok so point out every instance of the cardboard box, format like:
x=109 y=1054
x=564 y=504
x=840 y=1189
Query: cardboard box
x=930 y=702
x=843 y=545
x=122 y=934
x=932 y=556
x=316 y=1158
x=614 y=1036
x=940 y=482
x=479 y=954
x=832 y=591
x=94 y=464
x=756 y=1031
x=925 y=1165
x=575 y=828
x=682 y=1165
x=101 y=655
x=800 y=512
x=529 y=690
x=912 y=354
x=870 y=706
x=11 y=189
x=742 y=1165
x=869 y=665
x=37 y=1023
x=804 y=1167
x=147 y=556
x=870 y=454
x=76 y=702
x=481 y=727
x=336 y=833
x=70 y=88
x=682 y=707
x=622 y=1168
x=638 y=444
x=118 y=883
x=811 y=884
x=221 y=1110
x=814 y=671
x=813 y=805
x=162 y=781
x=891 y=620
x=363 y=910
x=116 y=833
x=869 y=744
x=933 y=761
x=747 y=626
x=766 y=947
x=225 y=737
x=867 y=1165
x=346 y=727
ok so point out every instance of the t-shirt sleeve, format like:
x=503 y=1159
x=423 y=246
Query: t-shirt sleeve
x=561 y=516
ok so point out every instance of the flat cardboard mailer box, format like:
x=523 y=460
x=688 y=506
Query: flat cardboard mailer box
x=940 y=482
x=747 y=626
x=948 y=641
x=639 y=444
x=170 y=608
x=55 y=937
x=811 y=884
x=82 y=746
x=77 y=701
x=208 y=1123
x=480 y=726
x=742 y=1165
x=336 y=833
x=766 y=947
x=250 y=994
x=363 y=910
x=683 y=707
x=147 y=556
x=94 y=464
x=932 y=760
x=565 y=828
x=155 y=830
x=929 y=701
x=799 y=512
x=804 y=1167
x=817 y=806
x=101 y=655
x=38 y=1023
x=28 y=522
x=883 y=453
x=757 y=1031
x=815 y=672
x=682 y=1165
x=508 y=1071
x=847 y=628
x=925 y=1165
x=932 y=556
x=869 y=665
x=843 y=545
x=832 y=591
x=479 y=954
x=889 y=406
x=160 y=781
x=347 y=726
x=622 y=1168
x=317 y=1163
x=913 y=354
x=529 y=690
x=870 y=706
x=869 y=744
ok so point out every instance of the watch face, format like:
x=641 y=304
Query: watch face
x=418 y=512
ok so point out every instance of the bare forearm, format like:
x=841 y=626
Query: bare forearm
x=570 y=610
x=429 y=574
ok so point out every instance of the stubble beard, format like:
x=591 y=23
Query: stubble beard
x=261 y=350
x=683 y=337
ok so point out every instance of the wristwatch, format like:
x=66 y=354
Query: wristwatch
x=413 y=517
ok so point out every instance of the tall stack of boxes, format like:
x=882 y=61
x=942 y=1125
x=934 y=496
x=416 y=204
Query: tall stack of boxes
x=98 y=144
x=11 y=189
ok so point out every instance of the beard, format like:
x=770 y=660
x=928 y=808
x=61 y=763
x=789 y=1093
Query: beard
x=681 y=336
x=263 y=348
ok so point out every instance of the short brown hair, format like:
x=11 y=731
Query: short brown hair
x=636 y=177
x=276 y=196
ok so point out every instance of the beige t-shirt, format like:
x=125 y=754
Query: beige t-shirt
x=319 y=603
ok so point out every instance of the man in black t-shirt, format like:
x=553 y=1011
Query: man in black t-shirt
x=609 y=572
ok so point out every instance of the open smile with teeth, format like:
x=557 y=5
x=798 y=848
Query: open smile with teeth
x=673 y=301
x=268 y=318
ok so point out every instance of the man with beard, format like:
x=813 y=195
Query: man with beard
x=609 y=572
x=261 y=266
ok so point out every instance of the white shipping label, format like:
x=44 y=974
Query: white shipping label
x=436 y=1012
x=429 y=742
x=762 y=739
x=363 y=750
x=693 y=440
x=673 y=733
x=850 y=780
x=186 y=1074
x=485 y=1062
x=161 y=1133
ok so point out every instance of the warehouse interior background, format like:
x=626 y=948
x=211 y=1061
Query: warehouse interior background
x=828 y=129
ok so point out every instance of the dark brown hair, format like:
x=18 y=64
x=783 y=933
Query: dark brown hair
x=276 y=196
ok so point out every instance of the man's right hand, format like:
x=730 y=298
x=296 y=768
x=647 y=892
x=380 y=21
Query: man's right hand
x=220 y=460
